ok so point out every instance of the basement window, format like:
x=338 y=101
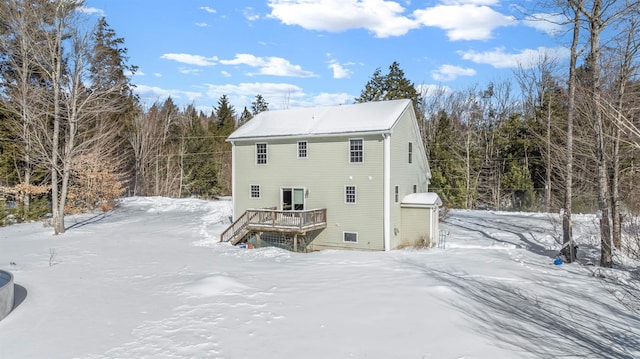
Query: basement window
x=350 y=237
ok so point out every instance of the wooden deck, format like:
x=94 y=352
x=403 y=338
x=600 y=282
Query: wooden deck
x=271 y=220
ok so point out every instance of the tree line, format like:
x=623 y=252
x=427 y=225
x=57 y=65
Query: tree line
x=73 y=134
x=551 y=137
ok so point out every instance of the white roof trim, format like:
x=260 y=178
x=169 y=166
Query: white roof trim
x=424 y=199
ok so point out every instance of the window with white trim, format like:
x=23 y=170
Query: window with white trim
x=350 y=237
x=356 y=150
x=350 y=194
x=255 y=191
x=415 y=188
x=302 y=149
x=261 y=153
x=397 y=193
x=410 y=152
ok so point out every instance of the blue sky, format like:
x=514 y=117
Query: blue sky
x=300 y=53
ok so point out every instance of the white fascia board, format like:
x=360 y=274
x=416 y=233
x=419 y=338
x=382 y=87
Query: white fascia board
x=302 y=135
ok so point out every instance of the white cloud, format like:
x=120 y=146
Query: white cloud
x=157 y=74
x=225 y=73
x=150 y=94
x=462 y=19
x=188 y=71
x=464 y=22
x=383 y=18
x=332 y=99
x=450 y=72
x=91 y=11
x=250 y=14
x=527 y=58
x=278 y=95
x=188 y=59
x=275 y=66
x=208 y=9
x=472 y=2
x=552 y=24
x=339 y=71
x=202 y=24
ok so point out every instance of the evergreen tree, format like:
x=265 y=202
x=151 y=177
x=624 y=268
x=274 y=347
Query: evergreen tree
x=244 y=117
x=223 y=125
x=392 y=86
x=375 y=89
x=259 y=105
x=447 y=169
x=225 y=117
x=200 y=165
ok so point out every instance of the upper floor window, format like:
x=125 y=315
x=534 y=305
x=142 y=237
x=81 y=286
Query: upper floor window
x=350 y=194
x=261 y=153
x=302 y=149
x=410 y=152
x=356 y=151
x=415 y=188
x=396 y=194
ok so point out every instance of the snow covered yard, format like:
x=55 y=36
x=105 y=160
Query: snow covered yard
x=149 y=280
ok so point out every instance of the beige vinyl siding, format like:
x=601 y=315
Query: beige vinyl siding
x=404 y=174
x=324 y=174
x=416 y=223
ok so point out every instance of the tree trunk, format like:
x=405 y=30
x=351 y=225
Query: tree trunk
x=56 y=211
x=567 y=223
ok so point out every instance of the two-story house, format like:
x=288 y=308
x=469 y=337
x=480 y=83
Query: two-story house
x=351 y=176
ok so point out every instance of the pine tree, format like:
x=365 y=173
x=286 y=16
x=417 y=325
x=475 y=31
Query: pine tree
x=200 y=165
x=225 y=117
x=392 y=86
x=375 y=89
x=245 y=117
x=259 y=105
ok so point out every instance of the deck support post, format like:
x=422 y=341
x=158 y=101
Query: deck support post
x=295 y=242
x=258 y=244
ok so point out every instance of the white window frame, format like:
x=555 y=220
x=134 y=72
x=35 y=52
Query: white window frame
x=410 y=152
x=352 y=151
x=304 y=150
x=397 y=193
x=347 y=194
x=258 y=154
x=251 y=191
x=344 y=237
x=415 y=188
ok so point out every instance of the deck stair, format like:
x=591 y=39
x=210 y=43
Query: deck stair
x=272 y=220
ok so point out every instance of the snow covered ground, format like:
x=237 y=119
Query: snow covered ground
x=149 y=280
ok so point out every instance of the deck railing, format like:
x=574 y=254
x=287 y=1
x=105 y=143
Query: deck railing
x=287 y=221
x=272 y=220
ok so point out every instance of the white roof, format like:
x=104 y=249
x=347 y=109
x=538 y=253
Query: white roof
x=425 y=199
x=366 y=117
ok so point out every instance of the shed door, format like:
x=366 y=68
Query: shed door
x=293 y=199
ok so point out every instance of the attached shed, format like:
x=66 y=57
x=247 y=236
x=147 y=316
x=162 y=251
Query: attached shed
x=420 y=213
